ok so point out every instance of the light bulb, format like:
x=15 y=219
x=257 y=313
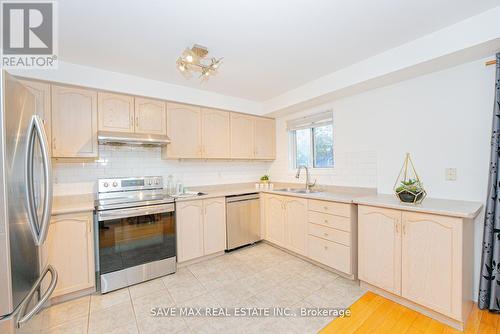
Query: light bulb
x=182 y=68
x=189 y=58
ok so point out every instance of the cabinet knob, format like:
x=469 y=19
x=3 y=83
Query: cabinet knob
x=326 y=247
x=326 y=220
x=325 y=207
x=325 y=234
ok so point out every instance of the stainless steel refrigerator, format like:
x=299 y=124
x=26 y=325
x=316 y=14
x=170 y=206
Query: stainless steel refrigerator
x=25 y=207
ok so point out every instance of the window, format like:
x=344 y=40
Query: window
x=311 y=141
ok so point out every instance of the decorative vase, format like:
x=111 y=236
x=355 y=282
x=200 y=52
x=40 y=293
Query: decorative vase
x=408 y=187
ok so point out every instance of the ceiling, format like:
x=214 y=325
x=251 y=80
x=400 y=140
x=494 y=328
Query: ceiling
x=269 y=47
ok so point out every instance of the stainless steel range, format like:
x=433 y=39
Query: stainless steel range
x=135 y=231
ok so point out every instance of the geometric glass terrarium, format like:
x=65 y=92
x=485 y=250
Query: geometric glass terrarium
x=408 y=187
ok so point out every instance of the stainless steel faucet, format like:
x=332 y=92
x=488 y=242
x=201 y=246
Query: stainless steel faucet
x=308 y=184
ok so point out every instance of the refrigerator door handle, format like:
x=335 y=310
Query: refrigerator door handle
x=22 y=316
x=38 y=229
x=47 y=173
x=28 y=180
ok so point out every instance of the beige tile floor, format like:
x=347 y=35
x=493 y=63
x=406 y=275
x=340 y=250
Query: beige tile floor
x=255 y=276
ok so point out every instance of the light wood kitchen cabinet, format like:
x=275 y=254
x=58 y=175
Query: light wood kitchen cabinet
x=189 y=217
x=116 y=112
x=41 y=91
x=264 y=138
x=296 y=224
x=419 y=259
x=431 y=262
x=184 y=131
x=215 y=133
x=275 y=219
x=214 y=225
x=379 y=247
x=286 y=222
x=242 y=136
x=74 y=122
x=150 y=116
x=201 y=228
x=69 y=248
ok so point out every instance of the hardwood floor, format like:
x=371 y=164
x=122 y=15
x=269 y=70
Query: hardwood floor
x=375 y=314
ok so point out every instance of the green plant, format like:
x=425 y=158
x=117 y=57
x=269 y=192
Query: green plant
x=264 y=178
x=411 y=185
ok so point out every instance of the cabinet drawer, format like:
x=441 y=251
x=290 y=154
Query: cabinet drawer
x=330 y=234
x=337 y=222
x=330 y=253
x=333 y=208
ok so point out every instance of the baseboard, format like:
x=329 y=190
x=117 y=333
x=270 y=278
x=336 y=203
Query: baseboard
x=416 y=307
x=70 y=296
x=305 y=258
x=199 y=259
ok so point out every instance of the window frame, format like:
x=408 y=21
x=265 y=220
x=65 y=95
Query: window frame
x=292 y=138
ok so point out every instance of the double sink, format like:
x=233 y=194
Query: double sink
x=299 y=190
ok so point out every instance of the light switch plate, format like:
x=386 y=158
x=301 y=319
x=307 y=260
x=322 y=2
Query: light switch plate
x=450 y=174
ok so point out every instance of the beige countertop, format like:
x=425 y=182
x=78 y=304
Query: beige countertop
x=445 y=207
x=72 y=204
x=335 y=194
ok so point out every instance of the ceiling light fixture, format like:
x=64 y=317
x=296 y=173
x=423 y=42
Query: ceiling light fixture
x=191 y=60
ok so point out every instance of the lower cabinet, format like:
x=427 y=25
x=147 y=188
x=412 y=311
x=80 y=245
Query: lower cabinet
x=424 y=258
x=201 y=228
x=70 y=250
x=286 y=222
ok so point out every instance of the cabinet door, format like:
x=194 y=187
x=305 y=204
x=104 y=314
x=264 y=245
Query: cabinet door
x=41 y=90
x=74 y=122
x=150 y=116
x=265 y=138
x=115 y=112
x=215 y=134
x=214 y=225
x=184 y=131
x=189 y=230
x=296 y=224
x=275 y=220
x=431 y=273
x=69 y=249
x=242 y=136
x=379 y=247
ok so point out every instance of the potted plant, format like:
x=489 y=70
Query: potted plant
x=264 y=179
x=408 y=187
x=410 y=191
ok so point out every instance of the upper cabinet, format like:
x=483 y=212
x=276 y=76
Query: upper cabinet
x=116 y=112
x=252 y=137
x=41 y=90
x=242 y=136
x=184 y=131
x=150 y=116
x=264 y=138
x=74 y=122
x=215 y=133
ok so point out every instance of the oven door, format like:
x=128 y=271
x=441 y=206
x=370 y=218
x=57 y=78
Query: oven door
x=135 y=236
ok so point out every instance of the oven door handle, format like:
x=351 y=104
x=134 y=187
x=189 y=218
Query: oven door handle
x=134 y=212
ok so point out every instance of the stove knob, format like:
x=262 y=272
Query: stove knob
x=106 y=184
x=157 y=182
x=115 y=184
x=148 y=182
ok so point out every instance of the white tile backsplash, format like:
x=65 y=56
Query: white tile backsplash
x=119 y=161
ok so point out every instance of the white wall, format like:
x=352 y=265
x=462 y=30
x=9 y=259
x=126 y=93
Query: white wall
x=443 y=119
x=116 y=161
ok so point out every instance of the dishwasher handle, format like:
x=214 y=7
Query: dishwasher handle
x=239 y=198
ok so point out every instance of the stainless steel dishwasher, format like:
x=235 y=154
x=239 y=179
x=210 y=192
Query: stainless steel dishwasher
x=243 y=220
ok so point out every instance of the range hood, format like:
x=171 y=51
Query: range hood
x=121 y=138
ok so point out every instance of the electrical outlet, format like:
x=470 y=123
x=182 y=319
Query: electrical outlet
x=450 y=174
